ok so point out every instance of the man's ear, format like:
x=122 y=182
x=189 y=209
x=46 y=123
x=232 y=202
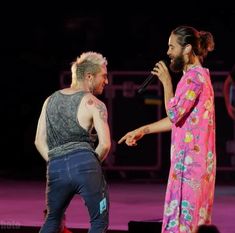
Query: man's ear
x=88 y=76
x=187 y=48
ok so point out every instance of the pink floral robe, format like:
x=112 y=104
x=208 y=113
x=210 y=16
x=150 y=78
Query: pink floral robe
x=190 y=188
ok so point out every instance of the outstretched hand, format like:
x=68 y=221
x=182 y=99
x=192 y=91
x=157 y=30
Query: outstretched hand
x=132 y=137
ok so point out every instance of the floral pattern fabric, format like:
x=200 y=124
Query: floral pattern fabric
x=190 y=189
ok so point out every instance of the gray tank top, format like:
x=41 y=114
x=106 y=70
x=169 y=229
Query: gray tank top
x=64 y=133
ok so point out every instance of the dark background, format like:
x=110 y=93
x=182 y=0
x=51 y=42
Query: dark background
x=38 y=42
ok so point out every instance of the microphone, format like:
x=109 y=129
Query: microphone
x=147 y=81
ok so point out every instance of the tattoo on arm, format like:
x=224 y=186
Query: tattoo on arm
x=101 y=108
x=102 y=111
x=90 y=102
x=146 y=130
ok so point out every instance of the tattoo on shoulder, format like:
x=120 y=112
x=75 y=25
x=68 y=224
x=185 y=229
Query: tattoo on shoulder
x=101 y=108
x=90 y=102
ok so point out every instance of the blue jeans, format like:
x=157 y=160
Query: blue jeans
x=77 y=173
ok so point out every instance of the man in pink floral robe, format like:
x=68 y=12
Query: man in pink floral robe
x=191 y=119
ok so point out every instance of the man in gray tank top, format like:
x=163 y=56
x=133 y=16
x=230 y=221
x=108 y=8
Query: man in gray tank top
x=64 y=139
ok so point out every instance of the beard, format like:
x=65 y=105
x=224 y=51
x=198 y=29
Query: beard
x=177 y=64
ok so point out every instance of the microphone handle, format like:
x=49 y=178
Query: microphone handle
x=149 y=79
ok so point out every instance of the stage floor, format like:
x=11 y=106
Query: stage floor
x=22 y=204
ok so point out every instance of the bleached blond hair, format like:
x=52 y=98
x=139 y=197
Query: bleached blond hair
x=88 y=62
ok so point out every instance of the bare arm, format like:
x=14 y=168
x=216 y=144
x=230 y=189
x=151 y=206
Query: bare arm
x=41 y=137
x=132 y=137
x=162 y=125
x=100 y=120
